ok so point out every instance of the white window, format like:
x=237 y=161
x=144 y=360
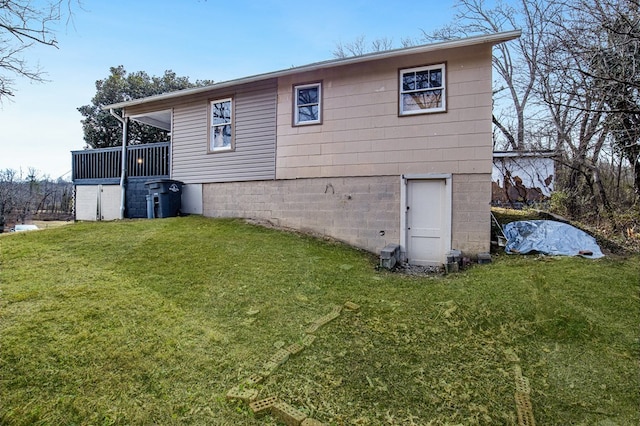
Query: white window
x=422 y=90
x=308 y=104
x=221 y=125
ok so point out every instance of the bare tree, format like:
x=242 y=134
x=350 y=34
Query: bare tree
x=7 y=188
x=381 y=44
x=575 y=111
x=590 y=81
x=360 y=47
x=615 y=69
x=25 y=23
x=21 y=198
x=514 y=62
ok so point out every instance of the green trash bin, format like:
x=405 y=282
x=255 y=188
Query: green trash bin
x=164 y=199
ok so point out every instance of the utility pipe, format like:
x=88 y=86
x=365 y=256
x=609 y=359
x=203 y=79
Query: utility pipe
x=123 y=174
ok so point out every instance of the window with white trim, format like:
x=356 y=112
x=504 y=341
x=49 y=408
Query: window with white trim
x=307 y=107
x=221 y=125
x=423 y=90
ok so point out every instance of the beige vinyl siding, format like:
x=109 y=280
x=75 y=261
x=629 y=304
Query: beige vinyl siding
x=255 y=135
x=362 y=133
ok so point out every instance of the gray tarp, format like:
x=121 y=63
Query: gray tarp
x=549 y=237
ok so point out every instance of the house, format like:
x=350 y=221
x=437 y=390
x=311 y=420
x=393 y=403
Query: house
x=386 y=148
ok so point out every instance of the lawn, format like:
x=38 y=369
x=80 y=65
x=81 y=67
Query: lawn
x=155 y=321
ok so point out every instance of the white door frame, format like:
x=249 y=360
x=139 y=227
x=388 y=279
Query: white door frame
x=404 y=182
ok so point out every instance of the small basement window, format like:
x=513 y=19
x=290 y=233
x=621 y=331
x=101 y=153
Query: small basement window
x=307 y=104
x=423 y=90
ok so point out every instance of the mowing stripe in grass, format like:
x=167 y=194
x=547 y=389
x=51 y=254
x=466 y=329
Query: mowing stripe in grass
x=151 y=322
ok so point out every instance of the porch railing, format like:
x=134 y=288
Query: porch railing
x=105 y=164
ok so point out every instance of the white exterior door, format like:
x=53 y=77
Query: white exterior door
x=428 y=221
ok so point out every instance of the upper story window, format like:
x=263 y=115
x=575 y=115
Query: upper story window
x=307 y=107
x=221 y=125
x=423 y=90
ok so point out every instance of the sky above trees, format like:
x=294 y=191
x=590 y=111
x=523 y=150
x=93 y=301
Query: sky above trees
x=201 y=39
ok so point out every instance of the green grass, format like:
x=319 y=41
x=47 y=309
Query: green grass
x=152 y=322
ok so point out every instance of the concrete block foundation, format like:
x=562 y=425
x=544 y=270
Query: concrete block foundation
x=361 y=211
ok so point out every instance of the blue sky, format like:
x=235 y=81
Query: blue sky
x=212 y=39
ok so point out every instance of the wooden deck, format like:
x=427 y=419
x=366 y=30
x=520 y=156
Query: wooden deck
x=105 y=165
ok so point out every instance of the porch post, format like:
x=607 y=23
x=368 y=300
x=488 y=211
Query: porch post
x=123 y=174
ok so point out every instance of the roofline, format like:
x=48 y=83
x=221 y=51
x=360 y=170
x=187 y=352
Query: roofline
x=493 y=39
x=526 y=154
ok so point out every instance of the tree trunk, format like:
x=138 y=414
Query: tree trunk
x=604 y=199
x=636 y=175
x=573 y=184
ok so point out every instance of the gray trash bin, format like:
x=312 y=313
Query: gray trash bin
x=164 y=198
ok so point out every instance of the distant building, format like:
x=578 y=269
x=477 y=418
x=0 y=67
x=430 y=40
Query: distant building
x=522 y=178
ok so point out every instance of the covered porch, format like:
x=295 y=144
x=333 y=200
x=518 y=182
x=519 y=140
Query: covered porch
x=97 y=178
x=105 y=165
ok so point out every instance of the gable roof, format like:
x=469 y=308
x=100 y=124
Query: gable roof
x=492 y=39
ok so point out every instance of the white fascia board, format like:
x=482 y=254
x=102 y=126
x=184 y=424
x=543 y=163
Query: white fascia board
x=492 y=39
x=525 y=154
